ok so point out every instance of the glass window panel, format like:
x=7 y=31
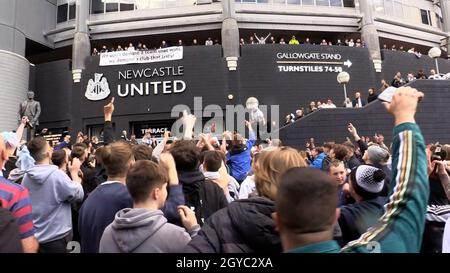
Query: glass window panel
x=308 y=2
x=124 y=7
x=323 y=2
x=62 y=13
x=336 y=3
x=97 y=6
x=424 y=15
x=112 y=7
x=349 y=3
x=430 y=18
x=72 y=11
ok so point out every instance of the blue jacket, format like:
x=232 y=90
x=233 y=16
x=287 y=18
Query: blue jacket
x=240 y=164
x=317 y=163
x=51 y=192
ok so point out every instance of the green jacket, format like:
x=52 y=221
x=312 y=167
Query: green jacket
x=400 y=229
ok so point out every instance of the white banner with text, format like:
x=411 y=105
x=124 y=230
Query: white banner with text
x=133 y=57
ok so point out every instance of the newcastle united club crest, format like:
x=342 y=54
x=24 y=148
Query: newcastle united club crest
x=97 y=89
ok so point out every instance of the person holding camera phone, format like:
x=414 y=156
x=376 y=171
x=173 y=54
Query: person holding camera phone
x=438 y=209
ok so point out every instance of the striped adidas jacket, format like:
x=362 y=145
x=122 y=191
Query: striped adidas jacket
x=400 y=229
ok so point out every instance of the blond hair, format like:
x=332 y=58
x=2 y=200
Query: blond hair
x=272 y=164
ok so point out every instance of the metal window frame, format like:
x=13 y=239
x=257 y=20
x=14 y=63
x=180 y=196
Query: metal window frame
x=67 y=13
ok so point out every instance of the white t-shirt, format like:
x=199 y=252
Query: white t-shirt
x=446 y=239
x=248 y=186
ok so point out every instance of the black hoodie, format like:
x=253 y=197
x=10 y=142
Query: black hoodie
x=246 y=226
x=204 y=196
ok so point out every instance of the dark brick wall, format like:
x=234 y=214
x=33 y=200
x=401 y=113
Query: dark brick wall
x=330 y=124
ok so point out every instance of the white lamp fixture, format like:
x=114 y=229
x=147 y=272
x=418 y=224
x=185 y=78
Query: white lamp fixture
x=344 y=78
x=435 y=53
x=230 y=96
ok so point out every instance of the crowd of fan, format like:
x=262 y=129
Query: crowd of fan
x=358 y=101
x=199 y=194
x=269 y=39
x=208 y=42
x=412 y=50
x=399 y=81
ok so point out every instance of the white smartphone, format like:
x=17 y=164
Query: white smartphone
x=387 y=94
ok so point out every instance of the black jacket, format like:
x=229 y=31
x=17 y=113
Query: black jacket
x=205 y=196
x=356 y=218
x=108 y=134
x=246 y=226
x=353 y=162
x=372 y=97
x=355 y=102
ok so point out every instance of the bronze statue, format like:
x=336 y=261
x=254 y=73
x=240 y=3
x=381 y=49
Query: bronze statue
x=31 y=109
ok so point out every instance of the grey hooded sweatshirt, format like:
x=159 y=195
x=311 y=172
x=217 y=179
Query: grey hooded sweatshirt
x=51 y=193
x=144 y=231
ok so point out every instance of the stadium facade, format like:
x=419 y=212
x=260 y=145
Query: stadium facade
x=46 y=45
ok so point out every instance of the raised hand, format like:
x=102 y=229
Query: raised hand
x=352 y=130
x=187 y=216
x=404 y=104
x=74 y=168
x=108 y=110
x=188 y=121
x=168 y=161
